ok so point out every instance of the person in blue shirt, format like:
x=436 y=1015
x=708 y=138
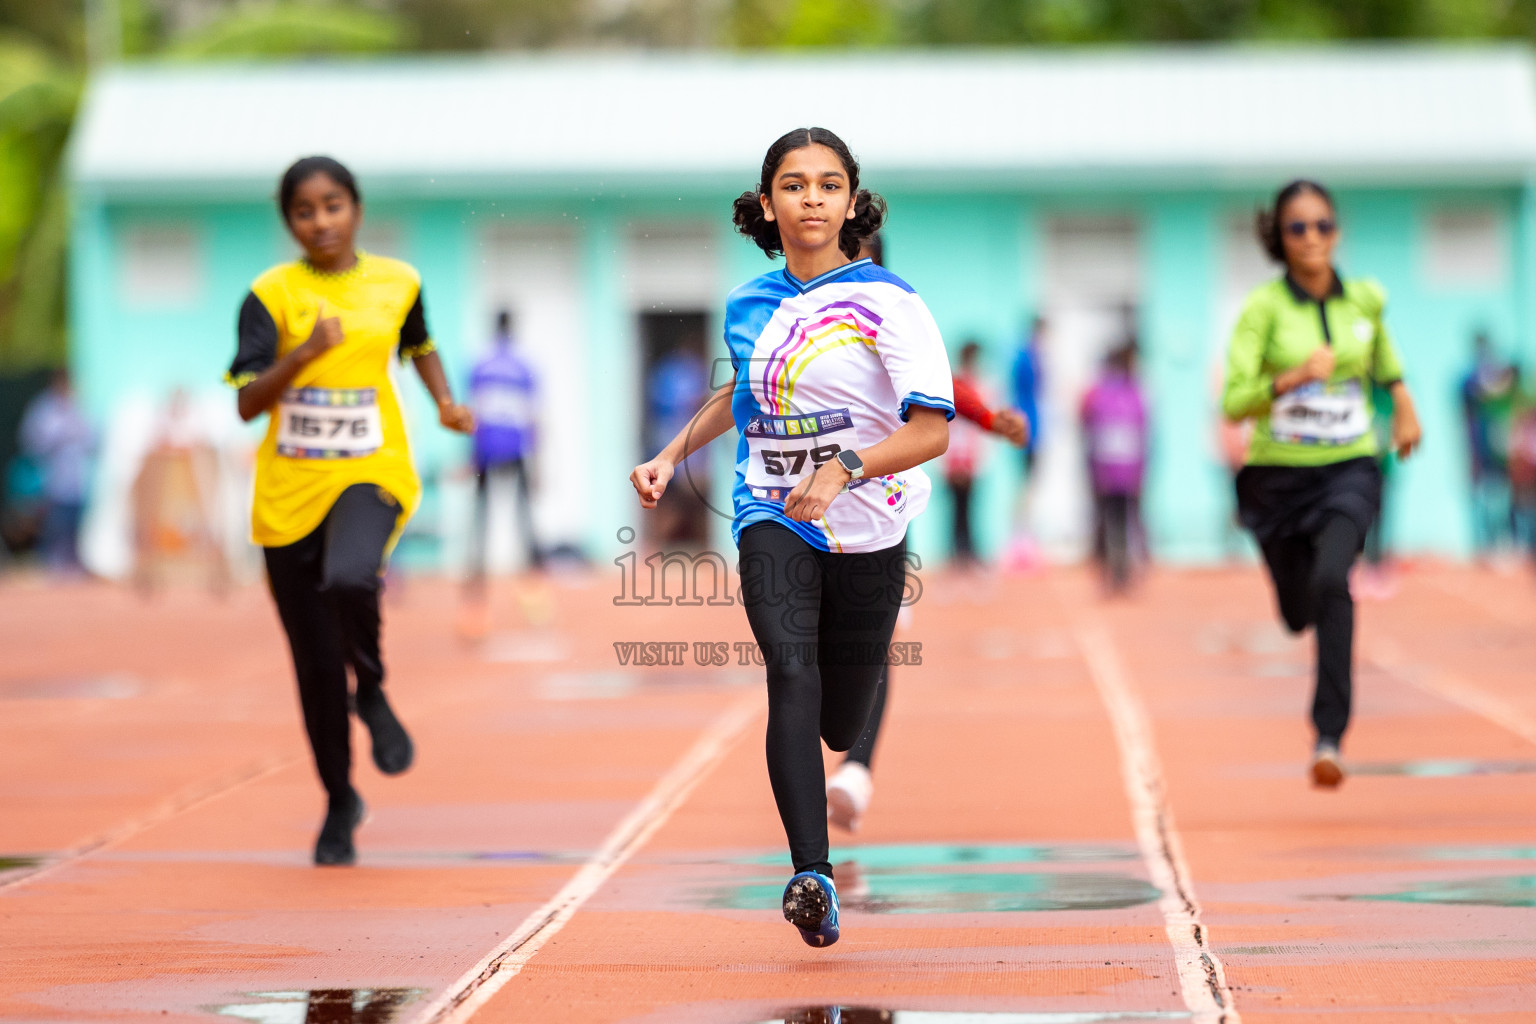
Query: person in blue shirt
x=503 y=392
x=1027 y=380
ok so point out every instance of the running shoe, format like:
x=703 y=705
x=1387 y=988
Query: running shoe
x=393 y=751
x=335 y=847
x=810 y=904
x=1327 y=771
x=848 y=793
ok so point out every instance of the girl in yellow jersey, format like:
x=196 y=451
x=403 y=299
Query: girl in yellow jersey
x=334 y=479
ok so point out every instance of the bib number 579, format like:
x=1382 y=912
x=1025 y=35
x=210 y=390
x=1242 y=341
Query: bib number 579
x=791 y=461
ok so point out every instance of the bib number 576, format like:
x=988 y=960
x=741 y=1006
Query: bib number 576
x=791 y=461
x=317 y=426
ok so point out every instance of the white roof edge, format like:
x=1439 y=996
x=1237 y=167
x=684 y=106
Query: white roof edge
x=1443 y=112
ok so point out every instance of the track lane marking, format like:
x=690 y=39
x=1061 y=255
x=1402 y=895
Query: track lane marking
x=190 y=798
x=1451 y=688
x=461 y=999
x=1202 y=980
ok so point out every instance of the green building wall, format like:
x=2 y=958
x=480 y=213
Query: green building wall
x=977 y=259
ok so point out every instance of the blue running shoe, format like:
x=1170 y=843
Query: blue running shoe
x=810 y=904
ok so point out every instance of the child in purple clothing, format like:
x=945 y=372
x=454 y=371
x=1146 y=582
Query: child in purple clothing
x=1114 y=419
x=504 y=395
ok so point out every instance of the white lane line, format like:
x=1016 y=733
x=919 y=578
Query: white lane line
x=1450 y=687
x=1201 y=977
x=189 y=799
x=460 y=1000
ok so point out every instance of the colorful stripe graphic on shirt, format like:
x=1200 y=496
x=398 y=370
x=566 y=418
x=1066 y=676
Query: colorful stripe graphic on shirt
x=830 y=327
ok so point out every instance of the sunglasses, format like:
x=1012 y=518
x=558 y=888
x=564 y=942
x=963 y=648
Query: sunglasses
x=1298 y=228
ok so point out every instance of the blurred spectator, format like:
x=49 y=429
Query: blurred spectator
x=1375 y=580
x=1232 y=437
x=1028 y=386
x=1114 y=419
x=1522 y=469
x=962 y=459
x=504 y=393
x=57 y=437
x=177 y=515
x=1487 y=400
x=1028 y=383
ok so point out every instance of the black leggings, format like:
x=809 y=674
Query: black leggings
x=864 y=750
x=823 y=622
x=1311 y=577
x=327 y=591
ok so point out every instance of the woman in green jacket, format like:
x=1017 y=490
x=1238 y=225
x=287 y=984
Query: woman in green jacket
x=1301 y=364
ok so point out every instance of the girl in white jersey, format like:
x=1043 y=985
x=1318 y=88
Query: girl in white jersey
x=842 y=389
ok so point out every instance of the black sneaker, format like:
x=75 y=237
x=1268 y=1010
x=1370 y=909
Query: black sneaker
x=393 y=750
x=335 y=843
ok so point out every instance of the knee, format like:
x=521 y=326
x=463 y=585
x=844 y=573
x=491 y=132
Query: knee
x=351 y=583
x=792 y=684
x=841 y=740
x=1329 y=583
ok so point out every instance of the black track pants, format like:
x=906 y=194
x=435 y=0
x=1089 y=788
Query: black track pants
x=327 y=591
x=824 y=624
x=1311 y=577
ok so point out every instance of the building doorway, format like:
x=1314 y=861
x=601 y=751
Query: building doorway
x=675 y=383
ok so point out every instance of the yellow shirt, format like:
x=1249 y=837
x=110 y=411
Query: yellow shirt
x=339 y=422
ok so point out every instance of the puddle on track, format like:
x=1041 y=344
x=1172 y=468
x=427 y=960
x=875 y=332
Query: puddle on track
x=933 y=855
x=1479 y=853
x=870 y=1015
x=953 y=879
x=322 y=1006
x=1494 y=891
x=1442 y=768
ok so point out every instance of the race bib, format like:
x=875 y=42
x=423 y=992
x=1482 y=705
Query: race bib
x=1117 y=443
x=329 y=423
x=1315 y=413
x=503 y=405
x=784 y=449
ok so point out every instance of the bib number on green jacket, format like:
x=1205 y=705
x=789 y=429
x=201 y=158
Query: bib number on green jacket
x=1318 y=413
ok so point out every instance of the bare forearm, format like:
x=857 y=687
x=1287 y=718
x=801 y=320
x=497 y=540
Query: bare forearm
x=707 y=424
x=263 y=393
x=430 y=369
x=1292 y=379
x=923 y=437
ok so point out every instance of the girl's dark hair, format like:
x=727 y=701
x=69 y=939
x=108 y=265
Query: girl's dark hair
x=747 y=211
x=1266 y=223
x=307 y=168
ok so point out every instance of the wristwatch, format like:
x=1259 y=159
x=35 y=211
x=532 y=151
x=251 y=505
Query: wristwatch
x=850 y=461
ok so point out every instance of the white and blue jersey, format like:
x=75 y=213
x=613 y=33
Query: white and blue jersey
x=824 y=365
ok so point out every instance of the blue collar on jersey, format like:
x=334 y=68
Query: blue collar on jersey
x=820 y=279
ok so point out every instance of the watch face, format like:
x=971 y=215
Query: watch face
x=851 y=462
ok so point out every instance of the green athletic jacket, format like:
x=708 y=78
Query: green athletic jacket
x=1280 y=326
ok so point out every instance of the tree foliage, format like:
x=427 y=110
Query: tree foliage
x=43 y=53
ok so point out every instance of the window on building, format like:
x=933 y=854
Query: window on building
x=161 y=265
x=1465 y=247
